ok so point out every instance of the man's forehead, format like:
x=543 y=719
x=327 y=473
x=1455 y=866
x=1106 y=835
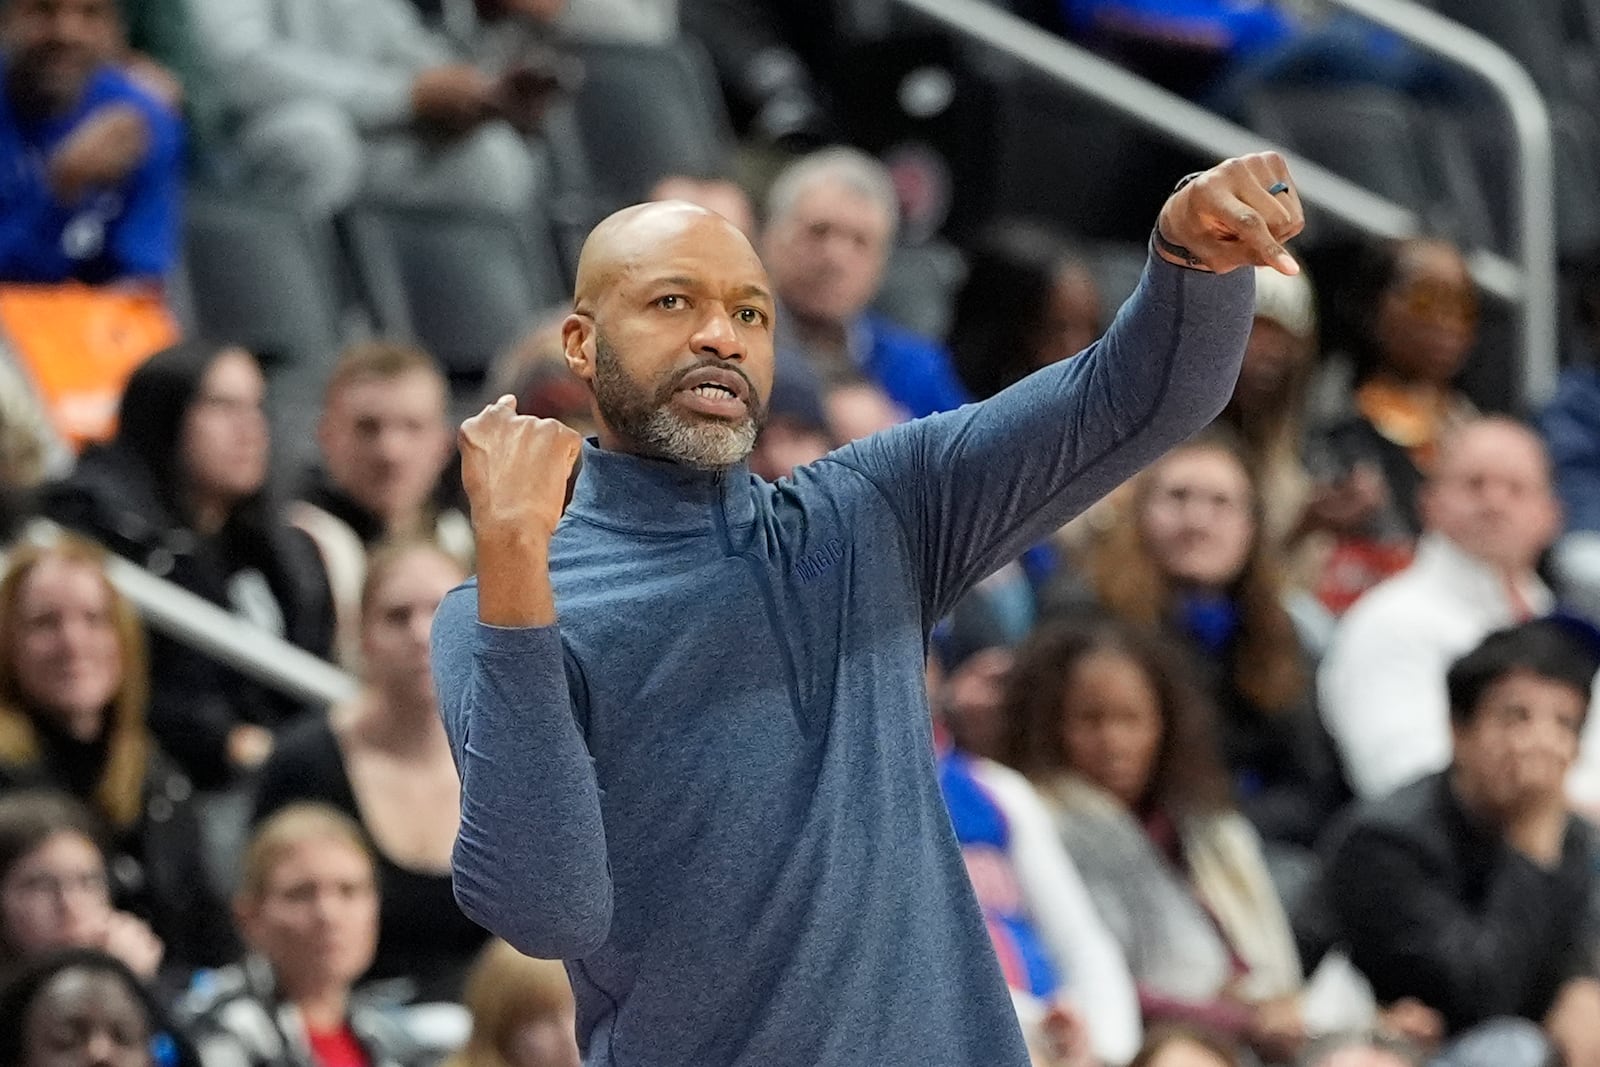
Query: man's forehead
x=827 y=197
x=381 y=392
x=665 y=237
x=710 y=261
x=1495 y=449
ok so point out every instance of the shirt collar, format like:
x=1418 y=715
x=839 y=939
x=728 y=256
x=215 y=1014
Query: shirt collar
x=1482 y=584
x=637 y=493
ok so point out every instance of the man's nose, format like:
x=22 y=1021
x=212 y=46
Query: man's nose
x=717 y=336
x=68 y=26
x=391 y=445
x=100 y=1050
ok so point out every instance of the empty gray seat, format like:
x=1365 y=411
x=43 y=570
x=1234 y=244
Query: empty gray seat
x=267 y=277
x=645 y=111
x=1365 y=134
x=263 y=275
x=463 y=286
x=1577 y=173
x=1533 y=31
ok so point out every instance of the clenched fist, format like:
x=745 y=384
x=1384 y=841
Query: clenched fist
x=1229 y=217
x=515 y=469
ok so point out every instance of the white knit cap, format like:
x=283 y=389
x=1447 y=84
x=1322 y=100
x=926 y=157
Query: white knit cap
x=1287 y=301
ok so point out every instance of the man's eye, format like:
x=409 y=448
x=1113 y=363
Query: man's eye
x=752 y=316
x=670 y=302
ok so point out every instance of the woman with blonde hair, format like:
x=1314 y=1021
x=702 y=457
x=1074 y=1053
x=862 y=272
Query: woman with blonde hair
x=523 y=1014
x=307 y=905
x=382 y=759
x=74 y=692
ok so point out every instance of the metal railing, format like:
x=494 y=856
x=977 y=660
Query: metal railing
x=1536 y=169
x=208 y=629
x=1528 y=281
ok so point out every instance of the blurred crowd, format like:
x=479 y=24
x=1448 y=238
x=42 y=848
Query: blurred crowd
x=1277 y=755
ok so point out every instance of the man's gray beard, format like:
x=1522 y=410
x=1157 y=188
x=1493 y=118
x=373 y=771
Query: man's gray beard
x=658 y=430
x=701 y=443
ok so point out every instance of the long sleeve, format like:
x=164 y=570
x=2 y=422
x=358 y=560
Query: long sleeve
x=266 y=68
x=1097 y=978
x=27 y=223
x=976 y=487
x=30 y=218
x=530 y=861
x=1411 y=936
x=1286 y=773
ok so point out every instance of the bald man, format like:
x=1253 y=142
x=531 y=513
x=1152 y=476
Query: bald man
x=1489 y=511
x=707 y=781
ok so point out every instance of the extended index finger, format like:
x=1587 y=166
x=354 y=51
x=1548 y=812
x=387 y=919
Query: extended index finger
x=1245 y=224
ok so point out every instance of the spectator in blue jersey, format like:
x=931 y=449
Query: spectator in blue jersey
x=89 y=162
x=831 y=220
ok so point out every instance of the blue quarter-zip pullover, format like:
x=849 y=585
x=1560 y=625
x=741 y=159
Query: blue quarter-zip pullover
x=710 y=787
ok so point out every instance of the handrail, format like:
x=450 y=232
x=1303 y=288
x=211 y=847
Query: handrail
x=1536 y=169
x=202 y=625
x=1192 y=126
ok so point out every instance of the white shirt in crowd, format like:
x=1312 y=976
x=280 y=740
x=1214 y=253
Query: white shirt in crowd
x=1382 y=684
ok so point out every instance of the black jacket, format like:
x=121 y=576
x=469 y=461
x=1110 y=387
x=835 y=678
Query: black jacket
x=158 y=871
x=1431 y=904
x=126 y=495
x=196 y=701
x=1284 y=766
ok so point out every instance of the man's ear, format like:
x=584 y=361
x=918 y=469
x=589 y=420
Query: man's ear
x=1426 y=505
x=1557 y=520
x=577 y=344
x=244 y=915
x=324 y=432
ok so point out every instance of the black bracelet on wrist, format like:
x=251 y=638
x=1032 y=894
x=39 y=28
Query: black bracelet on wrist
x=1177 y=251
x=1172 y=248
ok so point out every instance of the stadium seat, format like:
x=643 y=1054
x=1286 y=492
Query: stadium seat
x=1533 y=31
x=268 y=278
x=1365 y=134
x=463 y=286
x=262 y=275
x=644 y=111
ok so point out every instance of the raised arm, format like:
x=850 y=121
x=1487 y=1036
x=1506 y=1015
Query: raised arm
x=530 y=860
x=976 y=487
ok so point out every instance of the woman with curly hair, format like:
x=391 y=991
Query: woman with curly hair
x=1109 y=727
x=1107 y=724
